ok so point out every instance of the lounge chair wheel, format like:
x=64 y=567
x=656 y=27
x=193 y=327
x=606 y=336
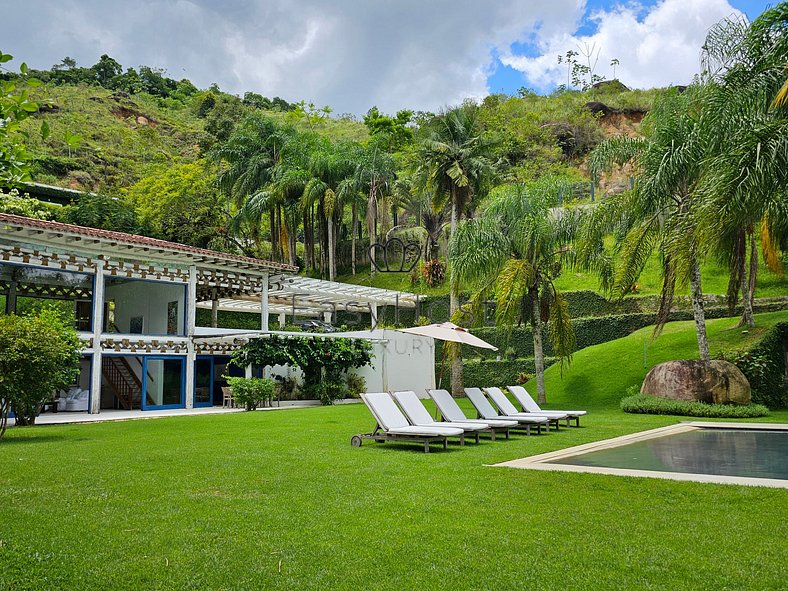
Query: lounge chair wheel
x=355 y=441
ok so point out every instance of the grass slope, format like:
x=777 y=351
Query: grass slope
x=599 y=376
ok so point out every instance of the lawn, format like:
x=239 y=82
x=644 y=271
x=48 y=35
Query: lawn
x=280 y=500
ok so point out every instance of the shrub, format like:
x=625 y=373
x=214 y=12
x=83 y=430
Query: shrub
x=39 y=355
x=490 y=372
x=356 y=384
x=433 y=272
x=252 y=392
x=764 y=367
x=654 y=405
x=327 y=392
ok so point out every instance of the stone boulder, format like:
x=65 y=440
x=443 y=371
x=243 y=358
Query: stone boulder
x=715 y=381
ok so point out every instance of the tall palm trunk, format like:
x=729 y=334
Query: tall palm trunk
x=698 y=312
x=331 y=248
x=274 y=234
x=538 y=346
x=454 y=305
x=748 y=284
x=371 y=216
x=353 y=225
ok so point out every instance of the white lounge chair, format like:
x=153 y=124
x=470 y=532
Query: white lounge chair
x=393 y=426
x=420 y=416
x=486 y=411
x=451 y=411
x=510 y=410
x=529 y=405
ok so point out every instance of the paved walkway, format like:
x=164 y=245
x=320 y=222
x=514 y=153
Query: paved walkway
x=66 y=418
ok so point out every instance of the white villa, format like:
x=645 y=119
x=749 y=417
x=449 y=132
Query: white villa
x=135 y=299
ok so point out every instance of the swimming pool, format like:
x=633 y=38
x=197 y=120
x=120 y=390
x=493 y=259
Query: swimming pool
x=730 y=453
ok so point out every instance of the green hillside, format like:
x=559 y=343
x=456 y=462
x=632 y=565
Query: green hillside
x=599 y=376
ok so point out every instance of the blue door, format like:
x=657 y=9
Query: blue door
x=163 y=383
x=203 y=381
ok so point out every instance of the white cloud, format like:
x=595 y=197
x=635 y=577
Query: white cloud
x=349 y=54
x=655 y=47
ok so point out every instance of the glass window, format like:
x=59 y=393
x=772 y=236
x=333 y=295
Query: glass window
x=136 y=306
x=164 y=382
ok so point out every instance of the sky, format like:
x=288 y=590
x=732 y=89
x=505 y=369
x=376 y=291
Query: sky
x=353 y=54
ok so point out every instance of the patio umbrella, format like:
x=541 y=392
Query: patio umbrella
x=448 y=331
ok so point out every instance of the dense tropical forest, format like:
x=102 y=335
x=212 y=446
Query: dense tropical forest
x=511 y=199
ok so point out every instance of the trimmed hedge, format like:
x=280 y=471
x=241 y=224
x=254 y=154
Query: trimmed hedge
x=654 y=405
x=764 y=366
x=482 y=373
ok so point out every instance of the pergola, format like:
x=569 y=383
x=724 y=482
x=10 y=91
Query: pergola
x=303 y=296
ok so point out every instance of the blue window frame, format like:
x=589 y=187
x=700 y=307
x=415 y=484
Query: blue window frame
x=166 y=374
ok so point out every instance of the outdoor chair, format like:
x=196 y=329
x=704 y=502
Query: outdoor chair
x=510 y=410
x=529 y=405
x=393 y=426
x=486 y=411
x=451 y=411
x=228 y=401
x=420 y=416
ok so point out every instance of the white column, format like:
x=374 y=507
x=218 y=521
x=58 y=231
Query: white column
x=326 y=316
x=373 y=316
x=98 y=324
x=282 y=320
x=191 y=312
x=264 y=304
x=214 y=309
x=248 y=372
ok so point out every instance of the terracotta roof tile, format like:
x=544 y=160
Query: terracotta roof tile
x=136 y=240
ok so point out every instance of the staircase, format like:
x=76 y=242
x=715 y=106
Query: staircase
x=124 y=382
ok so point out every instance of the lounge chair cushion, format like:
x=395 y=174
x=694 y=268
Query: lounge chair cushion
x=529 y=404
x=391 y=419
x=418 y=415
x=479 y=400
x=509 y=409
x=452 y=411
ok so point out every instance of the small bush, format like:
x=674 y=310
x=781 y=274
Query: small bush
x=356 y=385
x=433 y=272
x=252 y=392
x=653 y=405
x=327 y=392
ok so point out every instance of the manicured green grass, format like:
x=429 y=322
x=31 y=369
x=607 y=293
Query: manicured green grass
x=280 y=500
x=599 y=376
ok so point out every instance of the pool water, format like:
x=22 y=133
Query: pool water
x=723 y=452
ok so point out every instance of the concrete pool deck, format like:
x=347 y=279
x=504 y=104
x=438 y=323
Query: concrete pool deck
x=544 y=461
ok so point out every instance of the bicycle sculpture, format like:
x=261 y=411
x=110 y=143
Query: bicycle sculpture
x=397 y=256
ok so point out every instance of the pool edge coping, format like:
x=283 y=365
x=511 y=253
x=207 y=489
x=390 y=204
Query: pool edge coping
x=542 y=461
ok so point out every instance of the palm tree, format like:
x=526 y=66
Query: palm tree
x=248 y=160
x=659 y=213
x=746 y=167
x=513 y=252
x=455 y=163
x=374 y=173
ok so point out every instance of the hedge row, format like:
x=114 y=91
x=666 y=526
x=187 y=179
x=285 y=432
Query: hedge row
x=654 y=405
x=481 y=373
x=764 y=367
x=518 y=342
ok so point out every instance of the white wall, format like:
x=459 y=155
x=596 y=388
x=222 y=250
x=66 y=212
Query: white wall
x=402 y=362
x=148 y=299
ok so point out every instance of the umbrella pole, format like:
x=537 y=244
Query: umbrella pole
x=440 y=375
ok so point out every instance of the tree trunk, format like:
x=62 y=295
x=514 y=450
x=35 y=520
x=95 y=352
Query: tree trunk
x=353 y=225
x=541 y=395
x=371 y=215
x=454 y=305
x=697 y=311
x=274 y=235
x=753 y=276
x=331 y=244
